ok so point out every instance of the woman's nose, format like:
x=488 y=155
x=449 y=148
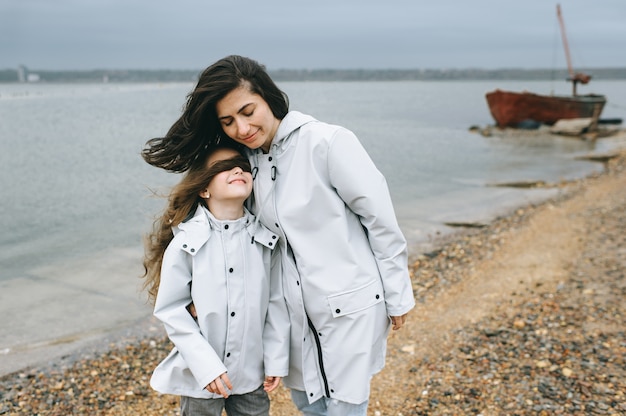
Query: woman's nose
x=243 y=127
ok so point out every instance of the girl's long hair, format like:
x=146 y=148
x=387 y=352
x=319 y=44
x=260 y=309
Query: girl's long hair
x=183 y=200
x=198 y=129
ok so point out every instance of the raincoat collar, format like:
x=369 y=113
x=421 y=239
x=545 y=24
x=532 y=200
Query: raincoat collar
x=199 y=229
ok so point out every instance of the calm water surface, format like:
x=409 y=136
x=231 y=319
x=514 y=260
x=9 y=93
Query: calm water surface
x=74 y=184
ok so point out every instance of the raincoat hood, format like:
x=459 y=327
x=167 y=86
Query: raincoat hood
x=292 y=122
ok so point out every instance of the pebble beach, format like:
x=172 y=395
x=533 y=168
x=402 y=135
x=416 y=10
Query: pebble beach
x=524 y=316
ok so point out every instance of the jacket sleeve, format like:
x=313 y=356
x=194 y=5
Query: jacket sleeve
x=277 y=327
x=171 y=308
x=364 y=190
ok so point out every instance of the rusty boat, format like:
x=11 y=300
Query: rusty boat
x=511 y=109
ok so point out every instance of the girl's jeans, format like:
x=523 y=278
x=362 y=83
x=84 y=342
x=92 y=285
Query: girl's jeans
x=255 y=403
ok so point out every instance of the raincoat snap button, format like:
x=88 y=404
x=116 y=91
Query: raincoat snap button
x=337 y=310
x=232 y=314
x=377 y=296
x=192 y=250
x=184 y=245
x=226 y=227
x=231 y=270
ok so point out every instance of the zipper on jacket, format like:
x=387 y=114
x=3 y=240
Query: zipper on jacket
x=319 y=356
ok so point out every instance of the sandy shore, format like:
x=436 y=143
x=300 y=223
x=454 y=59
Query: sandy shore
x=524 y=316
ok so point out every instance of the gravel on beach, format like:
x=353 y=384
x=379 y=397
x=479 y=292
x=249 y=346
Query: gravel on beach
x=554 y=344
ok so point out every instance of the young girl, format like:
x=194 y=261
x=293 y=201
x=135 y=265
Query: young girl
x=202 y=254
x=343 y=255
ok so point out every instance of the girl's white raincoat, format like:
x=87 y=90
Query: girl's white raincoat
x=242 y=326
x=343 y=255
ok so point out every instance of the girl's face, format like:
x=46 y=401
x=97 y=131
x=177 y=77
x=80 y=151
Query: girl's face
x=247 y=118
x=230 y=185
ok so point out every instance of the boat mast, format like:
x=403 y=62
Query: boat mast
x=575 y=78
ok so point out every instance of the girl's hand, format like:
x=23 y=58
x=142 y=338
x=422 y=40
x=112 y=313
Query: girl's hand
x=220 y=385
x=271 y=383
x=191 y=308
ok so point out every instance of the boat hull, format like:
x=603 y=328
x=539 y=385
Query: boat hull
x=509 y=109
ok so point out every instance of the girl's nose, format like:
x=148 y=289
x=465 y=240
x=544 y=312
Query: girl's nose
x=237 y=170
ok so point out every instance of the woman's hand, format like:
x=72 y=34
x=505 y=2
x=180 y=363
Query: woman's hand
x=398 y=321
x=271 y=383
x=220 y=385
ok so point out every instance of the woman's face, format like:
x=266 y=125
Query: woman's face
x=247 y=118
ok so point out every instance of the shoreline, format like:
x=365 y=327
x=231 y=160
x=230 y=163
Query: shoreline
x=113 y=377
x=442 y=226
x=61 y=352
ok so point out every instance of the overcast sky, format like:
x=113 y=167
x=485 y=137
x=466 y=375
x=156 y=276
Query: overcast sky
x=296 y=34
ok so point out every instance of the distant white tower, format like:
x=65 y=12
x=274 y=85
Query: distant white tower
x=22 y=73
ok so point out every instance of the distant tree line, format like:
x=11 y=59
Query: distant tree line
x=282 y=75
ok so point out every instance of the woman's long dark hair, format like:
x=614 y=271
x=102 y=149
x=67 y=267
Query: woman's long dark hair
x=198 y=129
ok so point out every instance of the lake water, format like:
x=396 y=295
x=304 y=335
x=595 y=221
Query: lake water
x=76 y=193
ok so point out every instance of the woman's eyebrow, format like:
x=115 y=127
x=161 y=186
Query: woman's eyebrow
x=238 y=111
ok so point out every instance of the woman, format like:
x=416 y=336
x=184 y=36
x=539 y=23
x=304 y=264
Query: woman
x=344 y=259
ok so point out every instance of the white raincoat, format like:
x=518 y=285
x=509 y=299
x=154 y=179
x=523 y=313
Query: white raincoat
x=242 y=325
x=344 y=258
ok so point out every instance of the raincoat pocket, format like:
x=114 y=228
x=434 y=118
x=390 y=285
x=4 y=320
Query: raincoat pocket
x=356 y=300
